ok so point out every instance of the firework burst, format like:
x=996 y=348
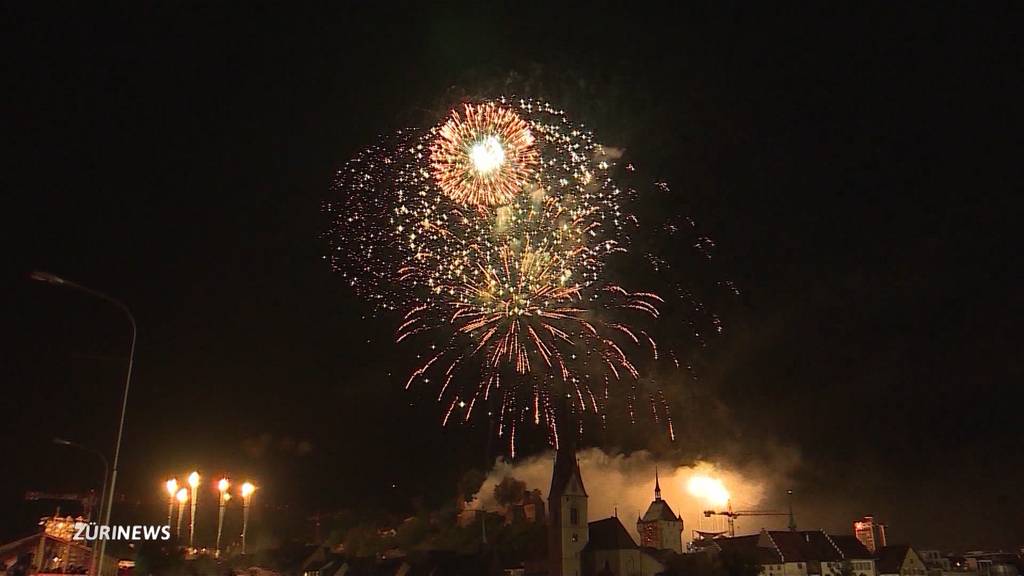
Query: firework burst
x=490 y=233
x=485 y=156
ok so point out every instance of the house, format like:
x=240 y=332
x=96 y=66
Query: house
x=853 y=551
x=529 y=509
x=900 y=560
x=612 y=551
x=799 y=553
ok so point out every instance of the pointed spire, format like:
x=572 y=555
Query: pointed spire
x=657 y=485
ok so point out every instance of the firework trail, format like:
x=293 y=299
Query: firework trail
x=490 y=235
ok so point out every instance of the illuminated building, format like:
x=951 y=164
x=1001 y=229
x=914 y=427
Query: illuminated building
x=53 y=549
x=870 y=533
x=660 y=528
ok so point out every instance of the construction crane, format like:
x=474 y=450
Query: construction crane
x=88 y=501
x=732 y=515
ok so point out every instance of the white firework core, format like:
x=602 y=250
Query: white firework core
x=487 y=155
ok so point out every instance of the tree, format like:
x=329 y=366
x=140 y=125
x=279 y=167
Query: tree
x=509 y=491
x=470 y=484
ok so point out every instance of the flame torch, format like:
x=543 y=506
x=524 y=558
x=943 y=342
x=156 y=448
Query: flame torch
x=193 y=482
x=172 y=489
x=182 y=497
x=247 y=490
x=222 y=486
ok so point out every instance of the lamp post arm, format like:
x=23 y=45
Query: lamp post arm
x=124 y=402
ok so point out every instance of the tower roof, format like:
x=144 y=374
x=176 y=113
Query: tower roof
x=659 y=510
x=566 y=468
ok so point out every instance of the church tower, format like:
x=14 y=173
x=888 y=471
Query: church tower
x=660 y=528
x=568 y=532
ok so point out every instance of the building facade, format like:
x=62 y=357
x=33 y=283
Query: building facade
x=870 y=533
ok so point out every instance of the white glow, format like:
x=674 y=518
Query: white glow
x=487 y=155
x=709 y=489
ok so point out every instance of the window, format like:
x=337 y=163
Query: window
x=574 y=516
x=575 y=537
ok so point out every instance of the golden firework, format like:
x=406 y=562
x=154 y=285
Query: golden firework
x=483 y=157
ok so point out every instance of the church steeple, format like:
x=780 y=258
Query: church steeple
x=657 y=486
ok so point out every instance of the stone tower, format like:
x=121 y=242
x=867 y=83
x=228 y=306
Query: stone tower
x=660 y=527
x=567 y=515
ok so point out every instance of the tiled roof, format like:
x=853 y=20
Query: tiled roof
x=804 y=546
x=850 y=547
x=609 y=534
x=748 y=545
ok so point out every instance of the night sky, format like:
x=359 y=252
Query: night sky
x=857 y=171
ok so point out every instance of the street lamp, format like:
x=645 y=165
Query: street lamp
x=172 y=488
x=182 y=497
x=222 y=486
x=193 y=482
x=103 y=488
x=247 y=490
x=58 y=281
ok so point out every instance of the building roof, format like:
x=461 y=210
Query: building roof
x=789 y=545
x=819 y=547
x=663 y=555
x=659 y=509
x=749 y=545
x=804 y=546
x=781 y=546
x=891 y=558
x=609 y=534
x=850 y=547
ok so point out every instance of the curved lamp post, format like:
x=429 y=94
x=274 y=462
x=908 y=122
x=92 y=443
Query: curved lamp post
x=58 y=281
